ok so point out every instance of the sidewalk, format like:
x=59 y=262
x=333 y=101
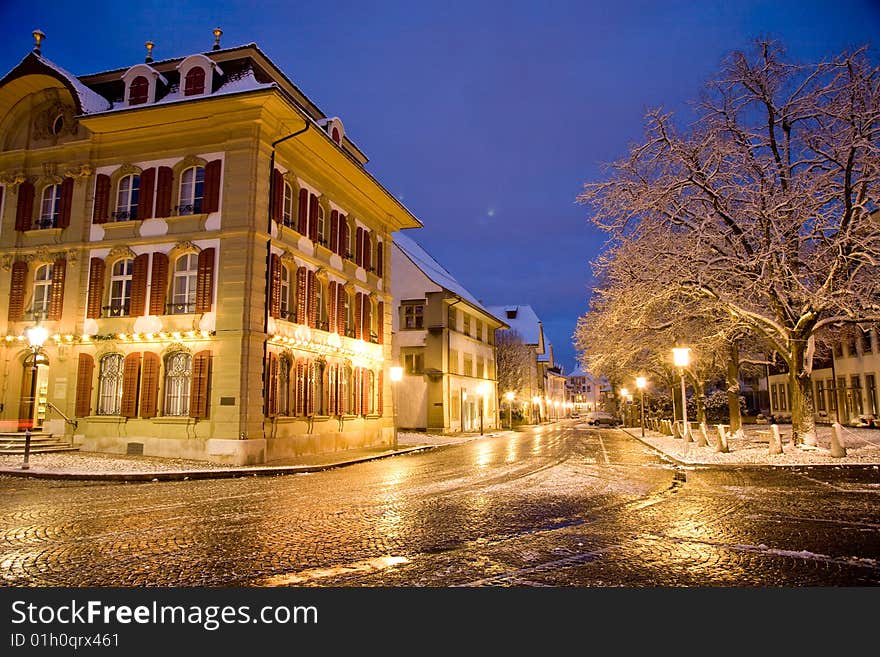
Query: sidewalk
x=753 y=448
x=119 y=467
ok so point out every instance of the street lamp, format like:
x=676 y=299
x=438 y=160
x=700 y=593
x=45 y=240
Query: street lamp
x=509 y=395
x=483 y=391
x=624 y=393
x=396 y=374
x=681 y=356
x=641 y=382
x=36 y=336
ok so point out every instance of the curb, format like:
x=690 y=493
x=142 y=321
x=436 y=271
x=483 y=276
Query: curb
x=220 y=473
x=749 y=466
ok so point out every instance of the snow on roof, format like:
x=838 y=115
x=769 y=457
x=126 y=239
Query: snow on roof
x=435 y=271
x=90 y=101
x=521 y=319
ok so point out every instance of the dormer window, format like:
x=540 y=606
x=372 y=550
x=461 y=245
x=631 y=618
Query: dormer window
x=335 y=134
x=194 y=82
x=333 y=127
x=138 y=90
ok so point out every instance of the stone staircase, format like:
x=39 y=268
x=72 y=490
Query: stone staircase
x=41 y=443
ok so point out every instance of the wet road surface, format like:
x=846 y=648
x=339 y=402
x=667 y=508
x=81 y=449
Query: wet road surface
x=553 y=506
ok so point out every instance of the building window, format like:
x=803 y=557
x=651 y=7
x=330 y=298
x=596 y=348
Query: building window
x=851 y=347
x=284 y=397
x=192 y=191
x=838 y=350
x=466 y=329
x=453 y=361
x=468 y=365
x=285 y=294
x=321 y=311
x=347 y=314
x=120 y=288
x=194 y=83
x=322 y=227
x=50 y=207
x=137 y=91
x=318 y=388
x=820 y=396
x=478 y=325
x=178 y=373
x=451 y=320
x=856 y=394
x=841 y=393
x=832 y=396
x=871 y=389
x=867 y=347
x=42 y=291
x=183 y=296
x=413 y=316
x=371 y=393
x=110 y=385
x=287 y=211
x=481 y=367
x=127 y=198
x=413 y=363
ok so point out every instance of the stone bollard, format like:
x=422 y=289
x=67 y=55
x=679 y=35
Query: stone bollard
x=775 y=440
x=676 y=432
x=703 y=439
x=686 y=432
x=721 y=446
x=838 y=450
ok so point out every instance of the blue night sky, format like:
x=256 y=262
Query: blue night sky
x=484 y=118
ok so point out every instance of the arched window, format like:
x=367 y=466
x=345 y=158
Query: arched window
x=335 y=134
x=120 y=288
x=183 y=290
x=285 y=294
x=284 y=397
x=287 y=212
x=192 y=191
x=321 y=312
x=178 y=376
x=137 y=91
x=348 y=314
x=50 y=207
x=194 y=83
x=42 y=291
x=127 y=197
x=344 y=399
x=322 y=224
x=371 y=394
x=318 y=388
x=110 y=385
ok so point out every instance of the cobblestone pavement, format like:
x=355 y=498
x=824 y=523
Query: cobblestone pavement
x=556 y=506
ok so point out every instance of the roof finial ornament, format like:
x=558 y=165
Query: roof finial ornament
x=149 y=45
x=217 y=33
x=39 y=35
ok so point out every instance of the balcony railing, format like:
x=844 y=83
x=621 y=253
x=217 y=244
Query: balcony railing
x=125 y=215
x=190 y=208
x=115 y=310
x=180 y=308
x=42 y=224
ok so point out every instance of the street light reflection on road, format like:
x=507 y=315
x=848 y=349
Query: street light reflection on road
x=484 y=454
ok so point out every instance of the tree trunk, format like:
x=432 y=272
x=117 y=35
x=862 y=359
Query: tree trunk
x=733 y=388
x=803 y=422
x=699 y=399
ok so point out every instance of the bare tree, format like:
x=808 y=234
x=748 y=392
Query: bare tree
x=764 y=205
x=515 y=362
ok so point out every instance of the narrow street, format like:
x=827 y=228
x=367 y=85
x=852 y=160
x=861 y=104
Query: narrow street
x=557 y=506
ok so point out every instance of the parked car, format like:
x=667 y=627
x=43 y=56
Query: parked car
x=597 y=418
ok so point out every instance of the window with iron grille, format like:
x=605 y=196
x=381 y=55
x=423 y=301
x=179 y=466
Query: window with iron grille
x=178 y=377
x=110 y=385
x=50 y=207
x=127 y=198
x=192 y=191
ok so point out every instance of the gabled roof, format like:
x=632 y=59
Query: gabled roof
x=521 y=319
x=437 y=272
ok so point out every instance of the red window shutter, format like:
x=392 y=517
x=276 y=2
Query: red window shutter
x=159 y=284
x=194 y=82
x=301 y=298
x=205 y=281
x=211 y=202
x=359 y=247
x=198 y=394
x=150 y=385
x=380 y=260
x=311 y=388
x=56 y=294
x=331 y=306
x=335 y=135
x=313 y=218
x=368 y=319
x=131 y=370
x=275 y=286
x=302 y=225
x=24 y=211
x=300 y=387
x=313 y=299
x=277 y=195
x=164 y=191
x=368 y=252
x=334 y=231
x=138 y=302
x=272 y=386
x=84 y=369
x=343 y=236
x=340 y=310
x=1 y=196
x=102 y=199
x=66 y=203
x=380 y=393
x=380 y=322
x=16 y=290
x=138 y=91
x=96 y=288
x=359 y=316
x=145 y=195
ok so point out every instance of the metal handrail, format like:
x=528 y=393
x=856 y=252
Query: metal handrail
x=73 y=423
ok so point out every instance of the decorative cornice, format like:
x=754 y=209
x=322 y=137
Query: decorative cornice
x=79 y=171
x=121 y=251
x=13 y=178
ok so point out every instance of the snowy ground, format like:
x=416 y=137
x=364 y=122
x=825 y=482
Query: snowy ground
x=416 y=438
x=862 y=447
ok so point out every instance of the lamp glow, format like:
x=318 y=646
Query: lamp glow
x=396 y=373
x=36 y=335
x=681 y=356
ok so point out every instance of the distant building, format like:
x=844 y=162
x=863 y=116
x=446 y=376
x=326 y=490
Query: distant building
x=445 y=341
x=583 y=391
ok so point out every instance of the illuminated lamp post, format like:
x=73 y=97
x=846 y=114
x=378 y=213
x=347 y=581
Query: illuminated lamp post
x=681 y=356
x=483 y=391
x=396 y=374
x=624 y=393
x=509 y=395
x=36 y=336
x=641 y=382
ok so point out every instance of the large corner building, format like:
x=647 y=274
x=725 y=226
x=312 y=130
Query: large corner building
x=208 y=253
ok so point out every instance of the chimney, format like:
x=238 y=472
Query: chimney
x=217 y=33
x=149 y=57
x=38 y=37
